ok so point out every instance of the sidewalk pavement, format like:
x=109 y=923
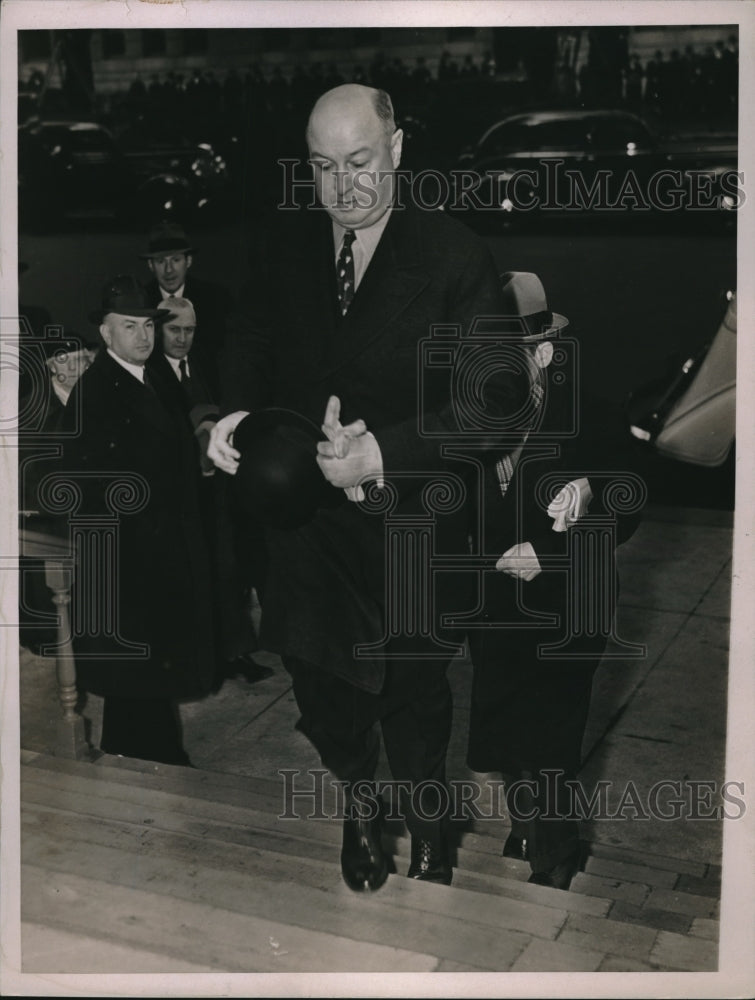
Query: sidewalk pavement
x=657 y=717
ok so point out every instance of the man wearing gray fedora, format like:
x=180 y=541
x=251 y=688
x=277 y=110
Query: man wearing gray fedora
x=531 y=683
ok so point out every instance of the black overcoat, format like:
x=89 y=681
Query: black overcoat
x=160 y=567
x=328 y=588
x=537 y=643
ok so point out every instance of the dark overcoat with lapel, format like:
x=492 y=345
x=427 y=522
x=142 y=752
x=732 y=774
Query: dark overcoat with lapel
x=328 y=589
x=576 y=435
x=199 y=397
x=160 y=567
x=529 y=707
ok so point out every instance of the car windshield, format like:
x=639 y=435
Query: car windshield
x=527 y=135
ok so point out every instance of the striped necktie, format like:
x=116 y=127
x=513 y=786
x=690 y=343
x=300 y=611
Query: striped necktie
x=345 y=271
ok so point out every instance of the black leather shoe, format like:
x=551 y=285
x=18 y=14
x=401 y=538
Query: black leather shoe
x=515 y=847
x=429 y=862
x=364 y=864
x=560 y=875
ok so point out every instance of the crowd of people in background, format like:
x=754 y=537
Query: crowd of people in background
x=687 y=83
x=700 y=80
x=697 y=82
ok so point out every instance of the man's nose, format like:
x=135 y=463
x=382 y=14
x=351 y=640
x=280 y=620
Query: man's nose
x=344 y=182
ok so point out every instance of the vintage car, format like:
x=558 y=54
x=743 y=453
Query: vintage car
x=70 y=169
x=690 y=413
x=596 y=164
x=78 y=170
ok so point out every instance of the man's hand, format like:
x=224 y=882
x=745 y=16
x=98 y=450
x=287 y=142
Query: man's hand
x=351 y=453
x=220 y=449
x=520 y=561
x=339 y=437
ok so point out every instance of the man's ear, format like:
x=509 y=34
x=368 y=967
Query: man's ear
x=397 y=142
x=151 y=264
x=544 y=354
x=189 y=261
x=105 y=332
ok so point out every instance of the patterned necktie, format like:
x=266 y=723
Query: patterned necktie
x=345 y=271
x=506 y=466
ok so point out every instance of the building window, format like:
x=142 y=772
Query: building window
x=153 y=42
x=113 y=43
x=460 y=34
x=34 y=45
x=194 y=40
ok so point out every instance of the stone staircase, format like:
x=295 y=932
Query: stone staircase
x=132 y=867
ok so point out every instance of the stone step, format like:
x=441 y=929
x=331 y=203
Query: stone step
x=267 y=795
x=151 y=934
x=440 y=921
x=217 y=840
x=255 y=828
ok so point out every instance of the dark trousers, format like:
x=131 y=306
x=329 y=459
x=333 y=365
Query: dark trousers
x=146 y=728
x=239 y=563
x=414 y=714
x=527 y=721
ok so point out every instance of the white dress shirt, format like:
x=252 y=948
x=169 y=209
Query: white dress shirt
x=175 y=362
x=178 y=294
x=136 y=370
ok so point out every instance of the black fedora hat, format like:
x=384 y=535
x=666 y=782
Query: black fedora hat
x=278 y=482
x=165 y=238
x=124 y=295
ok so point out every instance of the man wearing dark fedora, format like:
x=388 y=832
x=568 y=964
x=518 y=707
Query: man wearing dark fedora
x=529 y=708
x=170 y=257
x=154 y=645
